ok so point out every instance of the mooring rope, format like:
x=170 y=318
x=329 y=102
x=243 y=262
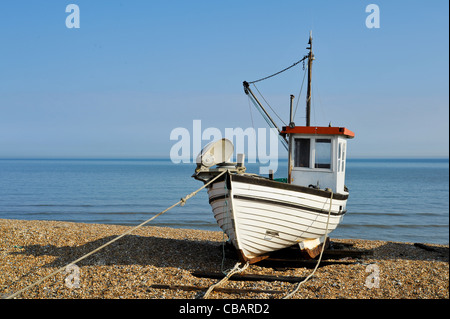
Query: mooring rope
x=181 y=202
x=233 y=271
x=320 y=257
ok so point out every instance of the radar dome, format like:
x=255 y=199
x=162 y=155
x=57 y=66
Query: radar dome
x=215 y=152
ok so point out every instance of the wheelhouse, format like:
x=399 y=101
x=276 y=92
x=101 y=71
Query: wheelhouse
x=317 y=156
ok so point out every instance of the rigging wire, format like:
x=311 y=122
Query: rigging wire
x=251 y=117
x=301 y=89
x=264 y=116
x=285 y=69
x=269 y=105
x=317 y=92
x=313 y=104
x=250 y=109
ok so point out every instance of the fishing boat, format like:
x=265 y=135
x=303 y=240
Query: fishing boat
x=260 y=214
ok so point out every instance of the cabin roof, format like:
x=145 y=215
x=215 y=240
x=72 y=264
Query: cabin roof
x=319 y=130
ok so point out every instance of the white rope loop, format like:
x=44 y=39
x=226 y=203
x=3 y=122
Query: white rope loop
x=233 y=271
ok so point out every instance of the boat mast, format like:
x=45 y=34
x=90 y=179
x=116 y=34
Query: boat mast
x=308 y=94
x=308 y=107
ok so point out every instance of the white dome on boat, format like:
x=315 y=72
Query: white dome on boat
x=215 y=152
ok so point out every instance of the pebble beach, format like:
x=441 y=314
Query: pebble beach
x=135 y=266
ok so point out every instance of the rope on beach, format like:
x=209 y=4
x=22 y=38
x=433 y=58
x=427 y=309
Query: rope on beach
x=320 y=257
x=233 y=271
x=181 y=202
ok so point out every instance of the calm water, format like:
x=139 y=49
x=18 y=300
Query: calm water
x=397 y=200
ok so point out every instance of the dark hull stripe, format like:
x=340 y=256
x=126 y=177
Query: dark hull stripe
x=296 y=188
x=273 y=202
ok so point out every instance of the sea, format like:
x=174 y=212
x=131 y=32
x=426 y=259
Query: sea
x=405 y=200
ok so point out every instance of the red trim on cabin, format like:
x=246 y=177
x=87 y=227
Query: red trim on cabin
x=321 y=130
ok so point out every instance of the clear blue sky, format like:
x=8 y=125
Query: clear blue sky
x=135 y=70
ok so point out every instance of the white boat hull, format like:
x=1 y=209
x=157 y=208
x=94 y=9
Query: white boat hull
x=261 y=216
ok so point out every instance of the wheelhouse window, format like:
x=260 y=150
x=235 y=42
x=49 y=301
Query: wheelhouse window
x=323 y=153
x=302 y=152
x=341 y=159
x=340 y=163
